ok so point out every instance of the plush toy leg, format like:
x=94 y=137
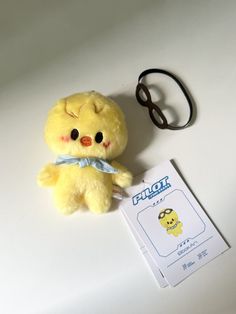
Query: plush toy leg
x=65 y=200
x=98 y=200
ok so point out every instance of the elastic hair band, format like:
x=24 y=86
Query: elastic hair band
x=142 y=88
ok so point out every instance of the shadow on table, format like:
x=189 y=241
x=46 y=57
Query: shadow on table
x=140 y=132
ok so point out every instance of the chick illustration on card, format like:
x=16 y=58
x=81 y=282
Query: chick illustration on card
x=169 y=220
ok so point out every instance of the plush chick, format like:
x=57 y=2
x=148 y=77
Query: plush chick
x=169 y=220
x=87 y=131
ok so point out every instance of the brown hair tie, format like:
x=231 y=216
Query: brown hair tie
x=154 y=107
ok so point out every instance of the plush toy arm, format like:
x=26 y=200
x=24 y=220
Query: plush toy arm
x=123 y=178
x=48 y=176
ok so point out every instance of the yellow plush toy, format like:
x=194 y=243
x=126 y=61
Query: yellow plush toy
x=87 y=131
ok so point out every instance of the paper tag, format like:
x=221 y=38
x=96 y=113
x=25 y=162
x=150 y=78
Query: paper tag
x=153 y=267
x=167 y=220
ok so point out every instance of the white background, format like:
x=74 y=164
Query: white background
x=87 y=263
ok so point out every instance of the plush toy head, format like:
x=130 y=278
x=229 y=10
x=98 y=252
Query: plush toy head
x=86 y=125
x=168 y=217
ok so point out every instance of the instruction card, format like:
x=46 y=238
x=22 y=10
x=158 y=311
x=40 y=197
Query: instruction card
x=175 y=235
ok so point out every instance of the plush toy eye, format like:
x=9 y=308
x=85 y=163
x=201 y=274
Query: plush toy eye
x=99 y=137
x=74 y=134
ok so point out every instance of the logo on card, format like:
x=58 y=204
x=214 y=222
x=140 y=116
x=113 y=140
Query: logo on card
x=169 y=220
x=157 y=188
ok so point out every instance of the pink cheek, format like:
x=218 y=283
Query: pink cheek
x=107 y=144
x=65 y=139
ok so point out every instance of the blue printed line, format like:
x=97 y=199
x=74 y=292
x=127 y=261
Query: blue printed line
x=189 y=251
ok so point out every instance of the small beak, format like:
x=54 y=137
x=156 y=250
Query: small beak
x=86 y=141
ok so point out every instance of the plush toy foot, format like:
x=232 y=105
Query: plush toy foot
x=66 y=203
x=67 y=210
x=98 y=202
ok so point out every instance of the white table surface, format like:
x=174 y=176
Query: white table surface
x=87 y=263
